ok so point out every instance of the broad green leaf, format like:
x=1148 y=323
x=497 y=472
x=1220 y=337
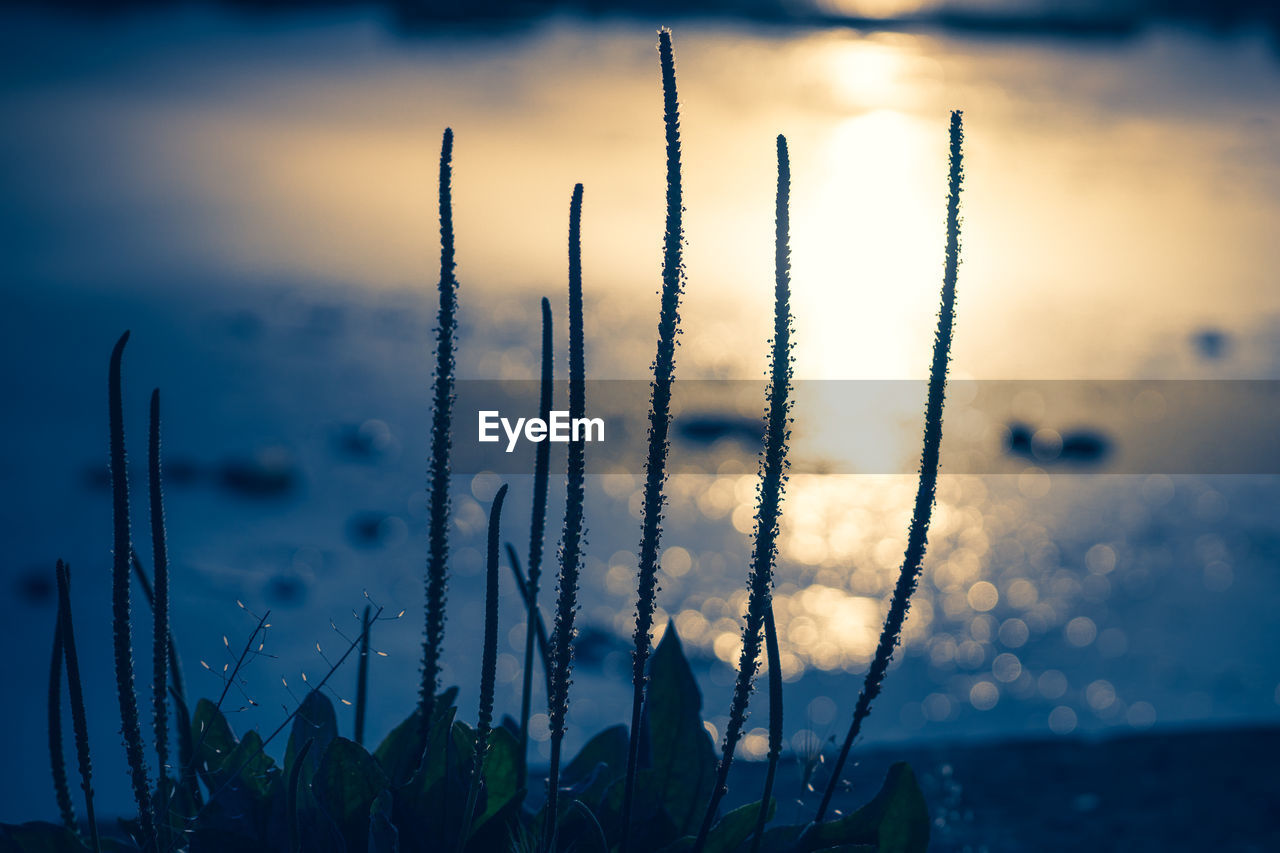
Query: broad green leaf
x=347 y=784
x=609 y=748
x=418 y=807
x=651 y=825
x=501 y=771
x=683 y=760
x=401 y=751
x=895 y=821
x=213 y=741
x=729 y=833
x=383 y=837
x=38 y=837
x=226 y=763
x=315 y=722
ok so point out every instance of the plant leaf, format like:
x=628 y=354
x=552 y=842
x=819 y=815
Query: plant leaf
x=314 y=722
x=683 y=761
x=38 y=837
x=233 y=769
x=383 y=836
x=609 y=748
x=214 y=741
x=318 y=832
x=501 y=774
x=347 y=784
x=401 y=750
x=729 y=833
x=895 y=821
x=417 y=812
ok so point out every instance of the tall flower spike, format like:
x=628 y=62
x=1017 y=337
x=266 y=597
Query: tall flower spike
x=177 y=689
x=918 y=534
x=572 y=538
x=488 y=667
x=773 y=476
x=537 y=536
x=775 y=723
x=441 y=447
x=664 y=365
x=76 y=694
x=160 y=612
x=121 y=629
x=57 y=758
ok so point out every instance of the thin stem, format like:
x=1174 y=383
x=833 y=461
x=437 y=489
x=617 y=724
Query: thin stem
x=918 y=534
x=57 y=758
x=572 y=539
x=177 y=686
x=535 y=613
x=189 y=769
x=659 y=424
x=775 y=723
x=76 y=695
x=362 y=678
x=488 y=667
x=351 y=647
x=537 y=536
x=773 y=466
x=160 y=612
x=121 y=629
x=441 y=446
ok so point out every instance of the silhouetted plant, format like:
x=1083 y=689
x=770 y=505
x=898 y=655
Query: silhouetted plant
x=773 y=476
x=488 y=667
x=918 y=534
x=121 y=628
x=537 y=535
x=533 y=613
x=200 y=735
x=291 y=796
x=572 y=537
x=75 y=694
x=775 y=722
x=664 y=365
x=441 y=447
x=160 y=618
x=434 y=780
x=177 y=686
x=256 y=754
x=362 y=677
x=57 y=758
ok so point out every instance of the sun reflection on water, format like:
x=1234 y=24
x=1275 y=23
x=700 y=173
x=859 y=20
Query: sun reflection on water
x=996 y=581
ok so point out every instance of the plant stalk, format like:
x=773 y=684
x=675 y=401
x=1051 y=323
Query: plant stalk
x=537 y=536
x=572 y=538
x=773 y=467
x=57 y=758
x=76 y=694
x=121 y=629
x=775 y=723
x=488 y=668
x=659 y=424
x=160 y=617
x=918 y=534
x=441 y=447
x=362 y=678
